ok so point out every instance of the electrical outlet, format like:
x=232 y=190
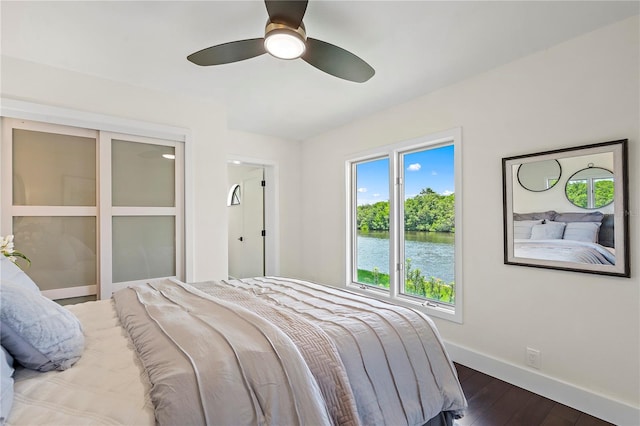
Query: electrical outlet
x=533 y=358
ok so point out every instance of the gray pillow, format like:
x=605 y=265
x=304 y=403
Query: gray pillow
x=548 y=215
x=6 y=389
x=522 y=228
x=606 y=236
x=582 y=231
x=579 y=217
x=37 y=332
x=549 y=230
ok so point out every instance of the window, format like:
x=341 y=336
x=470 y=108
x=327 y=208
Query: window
x=233 y=199
x=404 y=223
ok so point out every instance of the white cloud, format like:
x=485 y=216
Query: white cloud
x=434 y=173
x=414 y=167
x=447 y=192
x=376 y=195
x=362 y=190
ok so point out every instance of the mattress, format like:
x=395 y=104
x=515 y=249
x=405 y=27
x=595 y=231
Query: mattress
x=106 y=386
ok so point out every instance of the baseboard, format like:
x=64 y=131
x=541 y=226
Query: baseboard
x=581 y=399
x=68 y=292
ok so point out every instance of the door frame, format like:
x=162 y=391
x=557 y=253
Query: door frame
x=271 y=209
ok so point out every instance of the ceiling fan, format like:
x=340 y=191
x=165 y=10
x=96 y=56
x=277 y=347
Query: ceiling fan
x=285 y=38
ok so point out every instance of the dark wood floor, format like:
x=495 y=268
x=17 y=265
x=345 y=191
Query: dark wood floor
x=493 y=402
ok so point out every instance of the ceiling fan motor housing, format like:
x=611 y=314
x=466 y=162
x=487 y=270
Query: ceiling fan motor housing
x=283 y=41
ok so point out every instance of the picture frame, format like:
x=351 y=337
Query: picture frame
x=580 y=221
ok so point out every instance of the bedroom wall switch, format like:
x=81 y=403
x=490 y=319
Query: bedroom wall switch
x=533 y=358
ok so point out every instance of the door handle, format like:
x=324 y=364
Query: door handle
x=241 y=239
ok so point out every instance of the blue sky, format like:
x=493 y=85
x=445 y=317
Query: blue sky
x=432 y=168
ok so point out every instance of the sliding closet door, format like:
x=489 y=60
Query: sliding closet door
x=146 y=204
x=94 y=211
x=50 y=204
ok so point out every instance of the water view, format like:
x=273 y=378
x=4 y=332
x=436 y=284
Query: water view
x=431 y=252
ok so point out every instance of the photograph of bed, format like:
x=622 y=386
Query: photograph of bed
x=254 y=351
x=569 y=237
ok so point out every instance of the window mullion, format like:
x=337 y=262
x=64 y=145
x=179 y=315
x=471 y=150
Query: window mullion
x=395 y=211
x=401 y=225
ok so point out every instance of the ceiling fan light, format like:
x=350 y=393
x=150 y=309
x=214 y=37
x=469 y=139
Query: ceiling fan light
x=284 y=43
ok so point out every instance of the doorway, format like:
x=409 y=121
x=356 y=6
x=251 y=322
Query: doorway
x=246 y=231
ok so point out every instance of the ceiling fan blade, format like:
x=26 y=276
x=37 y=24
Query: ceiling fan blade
x=288 y=12
x=336 y=61
x=228 y=52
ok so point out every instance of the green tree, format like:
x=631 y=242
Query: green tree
x=427 y=211
x=577 y=193
x=603 y=192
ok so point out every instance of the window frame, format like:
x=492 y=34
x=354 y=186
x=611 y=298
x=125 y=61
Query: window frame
x=396 y=211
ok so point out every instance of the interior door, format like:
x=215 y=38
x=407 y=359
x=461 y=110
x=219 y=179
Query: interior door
x=246 y=223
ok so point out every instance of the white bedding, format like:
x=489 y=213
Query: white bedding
x=564 y=250
x=115 y=386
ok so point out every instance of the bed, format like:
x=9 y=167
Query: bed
x=256 y=351
x=567 y=237
x=564 y=251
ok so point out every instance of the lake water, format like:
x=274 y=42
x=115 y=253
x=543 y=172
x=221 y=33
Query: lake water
x=431 y=252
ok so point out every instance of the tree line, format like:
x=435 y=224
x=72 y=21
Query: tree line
x=427 y=211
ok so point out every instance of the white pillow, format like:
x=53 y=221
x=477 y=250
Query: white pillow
x=548 y=231
x=582 y=231
x=522 y=228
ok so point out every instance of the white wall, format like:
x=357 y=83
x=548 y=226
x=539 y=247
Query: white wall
x=583 y=91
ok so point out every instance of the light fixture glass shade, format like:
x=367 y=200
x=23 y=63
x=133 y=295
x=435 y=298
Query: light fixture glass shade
x=284 y=44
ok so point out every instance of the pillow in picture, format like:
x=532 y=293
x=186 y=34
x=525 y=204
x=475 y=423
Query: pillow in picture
x=606 y=236
x=6 y=391
x=37 y=332
x=548 y=215
x=522 y=228
x=582 y=231
x=579 y=217
x=549 y=230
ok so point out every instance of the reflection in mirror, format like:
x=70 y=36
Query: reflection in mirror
x=577 y=222
x=590 y=188
x=539 y=176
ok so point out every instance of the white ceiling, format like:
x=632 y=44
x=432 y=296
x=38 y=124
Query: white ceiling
x=415 y=47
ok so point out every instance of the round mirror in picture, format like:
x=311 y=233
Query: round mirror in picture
x=590 y=188
x=539 y=176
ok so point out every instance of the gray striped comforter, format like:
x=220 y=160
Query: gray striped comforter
x=281 y=351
